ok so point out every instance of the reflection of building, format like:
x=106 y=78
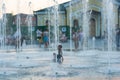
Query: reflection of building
x=96 y=21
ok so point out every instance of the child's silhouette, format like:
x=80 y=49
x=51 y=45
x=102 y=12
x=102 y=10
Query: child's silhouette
x=59 y=55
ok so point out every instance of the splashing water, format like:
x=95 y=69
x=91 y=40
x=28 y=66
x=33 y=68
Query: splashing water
x=86 y=17
x=109 y=17
x=56 y=23
x=29 y=17
x=3 y=26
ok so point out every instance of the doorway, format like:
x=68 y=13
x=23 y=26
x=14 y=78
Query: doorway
x=92 y=27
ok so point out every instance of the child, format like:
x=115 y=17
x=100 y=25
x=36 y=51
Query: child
x=54 y=57
x=59 y=55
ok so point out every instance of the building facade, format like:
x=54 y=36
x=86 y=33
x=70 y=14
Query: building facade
x=96 y=10
x=49 y=14
x=74 y=10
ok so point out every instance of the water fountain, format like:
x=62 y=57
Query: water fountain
x=111 y=55
x=56 y=23
x=3 y=26
x=70 y=25
x=30 y=23
x=49 y=24
x=81 y=65
x=85 y=23
x=93 y=42
x=18 y=34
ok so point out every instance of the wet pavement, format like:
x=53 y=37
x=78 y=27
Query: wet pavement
x=77 y=65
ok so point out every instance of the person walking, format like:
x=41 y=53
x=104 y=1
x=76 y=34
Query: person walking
x=76 y=40
x=46 y=38
x=39 y=36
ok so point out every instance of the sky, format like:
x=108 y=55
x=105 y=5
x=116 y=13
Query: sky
x=26 y=6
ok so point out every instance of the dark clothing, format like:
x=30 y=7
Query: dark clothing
x=117 y=31
x=118 y=37
x=75 y=29
x=59 y=55
x=38 y=38
x=118 y=41
x=59 y=58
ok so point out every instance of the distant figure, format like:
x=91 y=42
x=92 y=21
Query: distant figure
x=17 y=37
x=22 y=40
x=46 y=38
x=75 y=27
x=39 y=36
x=76 y=40
x=117 y=36
x=59 y=55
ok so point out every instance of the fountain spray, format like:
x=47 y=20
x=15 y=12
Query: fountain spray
x=56 y=23
x=109 y=17
x=30 y=22
x=70 y=15
x=86 y=17
x=3 y=26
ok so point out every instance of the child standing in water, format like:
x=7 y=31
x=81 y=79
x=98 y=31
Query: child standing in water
x=59 y=55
